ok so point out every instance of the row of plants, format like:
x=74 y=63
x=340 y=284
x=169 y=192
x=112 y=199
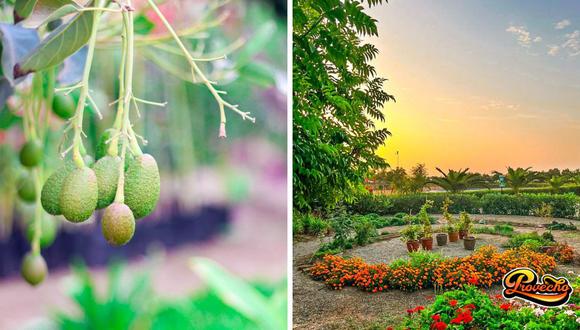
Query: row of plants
x=313 y=225
x=483 y=268
x=456 y=228
x=562 y=205
x=472 y=308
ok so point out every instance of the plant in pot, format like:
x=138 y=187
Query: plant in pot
x=410 y=235
x=451 y=227
x=465 y=224
x=427 y=230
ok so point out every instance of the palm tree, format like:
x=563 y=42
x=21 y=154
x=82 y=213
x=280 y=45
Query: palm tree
x=556 y=182
x=518 y=178
x=454 y=181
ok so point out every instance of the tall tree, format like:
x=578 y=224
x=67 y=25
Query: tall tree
x=337 y=100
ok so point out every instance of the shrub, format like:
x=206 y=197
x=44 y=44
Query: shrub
x=519 y=239
x=555 y=225
x=309 y=224
x=499 y=229
x=562 y=252
x=365 y=231
x=471 y=308
x=563 y=205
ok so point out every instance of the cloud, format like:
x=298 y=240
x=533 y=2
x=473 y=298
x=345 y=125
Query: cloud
x=572 y=43
x=553 y=50
x=493 y=105
x=524 y=37
x=562 y=24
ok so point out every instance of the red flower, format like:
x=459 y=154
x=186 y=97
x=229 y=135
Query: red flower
x=440 y=326
x=390 y=328
x=474 y=280
x=410 y=311
x=467 y=318
x=506 y=306
x=469 y=306
x=453 y=303
x=436 y=317
x=498 y=296
x=457 y=320
x=419 y=308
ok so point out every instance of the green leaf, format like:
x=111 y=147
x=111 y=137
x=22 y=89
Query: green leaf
x=142 y=25
x=58 y=45
x=49 y=10
x=258 y=73
x=23 y=9
x=238 y=294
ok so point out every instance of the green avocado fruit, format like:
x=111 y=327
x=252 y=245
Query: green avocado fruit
x=118 y=224
x=51 y=191
x=31 y=153
x=33 y=268
x=48 y=230
x=26 y=188
x=107 y=171
x=79 y=195
x=63 y=106
x=142 y=185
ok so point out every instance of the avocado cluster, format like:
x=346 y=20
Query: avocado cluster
x=77 y=192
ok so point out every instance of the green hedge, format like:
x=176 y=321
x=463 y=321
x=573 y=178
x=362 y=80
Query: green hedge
x=564 y=205
x=532 y=190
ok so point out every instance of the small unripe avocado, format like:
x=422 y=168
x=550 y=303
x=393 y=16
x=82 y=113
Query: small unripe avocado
x=102 y=146
x=142 y=185
x=26 y=188
x=79 y=195
x=33 y=268
x=63 y=106
x=51 y=191
x=48 y=229
x=107 y=171
x=118 y=224
x=31 y=153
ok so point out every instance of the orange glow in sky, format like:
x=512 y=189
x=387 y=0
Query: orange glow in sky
x=479 y=98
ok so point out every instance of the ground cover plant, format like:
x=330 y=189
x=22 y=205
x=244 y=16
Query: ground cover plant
x=483 y=268
x=48 y=60
x=471 y=308
x=498 y=229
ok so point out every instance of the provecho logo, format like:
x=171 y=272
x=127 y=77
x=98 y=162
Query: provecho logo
x=549 y=291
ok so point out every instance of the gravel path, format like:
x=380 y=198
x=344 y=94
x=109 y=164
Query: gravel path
x=317 y=307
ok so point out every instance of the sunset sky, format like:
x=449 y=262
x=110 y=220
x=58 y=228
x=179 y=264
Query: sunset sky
x=481 y=84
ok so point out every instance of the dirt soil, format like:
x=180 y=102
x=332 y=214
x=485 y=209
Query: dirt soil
x=317 y=307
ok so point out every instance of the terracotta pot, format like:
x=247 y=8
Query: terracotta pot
x=454 y=236
x=441 y=239
x=413 y=245
x=462 y=234
x=469 y=243
x=427 y=243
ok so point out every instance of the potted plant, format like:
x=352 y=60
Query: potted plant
x=451 y=227
x=469 y=242
x=410 y=235
x=427 y=230
x=465 y=224
x=452 y=232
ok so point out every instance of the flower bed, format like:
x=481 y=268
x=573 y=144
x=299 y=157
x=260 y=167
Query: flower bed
x=470 y=308
x=483 y=268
